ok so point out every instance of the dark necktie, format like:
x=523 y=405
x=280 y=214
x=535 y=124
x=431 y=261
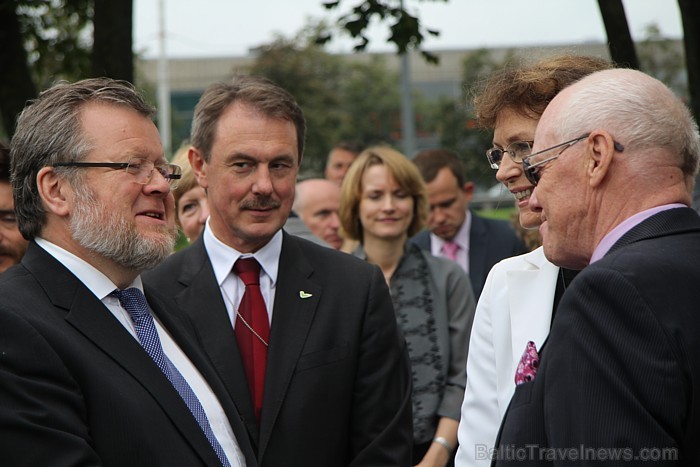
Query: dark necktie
x=252 y=330
x=134 y=302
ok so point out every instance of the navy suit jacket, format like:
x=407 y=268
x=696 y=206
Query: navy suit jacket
x=490 y=241
x=337 y=386
x=621 y=369
x=77 y=389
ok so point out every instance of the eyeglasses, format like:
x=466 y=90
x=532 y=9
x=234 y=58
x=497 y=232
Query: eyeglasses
x=516 y=150
x=138 y=167
x=532 y=169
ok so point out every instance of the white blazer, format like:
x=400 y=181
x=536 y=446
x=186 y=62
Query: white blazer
x=515 y=307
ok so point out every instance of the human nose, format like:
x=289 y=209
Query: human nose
x=157 y=183
x=534 y=203
x=335 y=221
x=263 y=181
x=509 y=170
x=388 y=203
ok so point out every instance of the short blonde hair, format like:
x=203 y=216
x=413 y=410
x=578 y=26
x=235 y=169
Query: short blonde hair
x=404 y=172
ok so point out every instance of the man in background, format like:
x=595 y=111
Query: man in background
x=455 y=232
x=304 y=337
x=339 y=159
x=12 y=244
x=317 y=202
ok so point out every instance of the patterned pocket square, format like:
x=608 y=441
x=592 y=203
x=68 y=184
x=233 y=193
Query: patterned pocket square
x=529 y=362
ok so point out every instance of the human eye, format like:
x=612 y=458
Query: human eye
x=401 y=194
x=189 y=208
x=8 y=218
x=520 y=149
x=495 y=155
x=136 y=165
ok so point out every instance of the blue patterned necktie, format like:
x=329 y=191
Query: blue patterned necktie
x=134 y=302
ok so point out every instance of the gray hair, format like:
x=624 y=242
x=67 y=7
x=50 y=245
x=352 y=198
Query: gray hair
x=257 y=92
x=49 y=131
x=638 y=110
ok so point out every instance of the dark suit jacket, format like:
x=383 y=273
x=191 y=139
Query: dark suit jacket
x=77 y=389
x=337 y=387
x=490 y=241
x=621 y=368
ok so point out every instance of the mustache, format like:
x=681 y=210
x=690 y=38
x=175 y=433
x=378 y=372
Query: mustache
x=260 y=203
x=14 y=252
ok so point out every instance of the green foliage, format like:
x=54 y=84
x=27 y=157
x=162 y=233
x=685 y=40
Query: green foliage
x=663 y=59
x=58 y=38
x=458 y=130
x=312 y=76
x=406 y=30
x=342 y=99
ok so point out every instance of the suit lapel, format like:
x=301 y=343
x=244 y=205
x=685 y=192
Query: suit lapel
x=92 y=319
x=201 y=299
x=296 y=299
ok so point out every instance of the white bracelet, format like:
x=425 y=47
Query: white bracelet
x=444 y=443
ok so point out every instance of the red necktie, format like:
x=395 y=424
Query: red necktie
x=252 y=330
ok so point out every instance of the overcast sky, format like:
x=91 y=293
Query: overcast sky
x=230 y=27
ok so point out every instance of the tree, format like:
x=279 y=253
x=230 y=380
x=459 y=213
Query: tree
x=690 y=17
x=311 y=75
x=46 y=41
x=406 y=30
x=112 y=51
x=663 y=59
x=620 y=41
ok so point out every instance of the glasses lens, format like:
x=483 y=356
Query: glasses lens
x=495 y=156
x=519 y=150
x=531 y=173
x=171 y=173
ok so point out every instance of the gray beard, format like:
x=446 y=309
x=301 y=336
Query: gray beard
x=110 y=235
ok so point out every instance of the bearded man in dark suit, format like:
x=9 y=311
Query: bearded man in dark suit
x=614 y=161
x=96 y=369
x=327 y=382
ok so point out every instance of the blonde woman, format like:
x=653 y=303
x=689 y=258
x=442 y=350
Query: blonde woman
x=383 y=203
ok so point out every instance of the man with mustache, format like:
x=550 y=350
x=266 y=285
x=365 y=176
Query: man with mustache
x=96 y=368
x=12 y=244
x=303 y=336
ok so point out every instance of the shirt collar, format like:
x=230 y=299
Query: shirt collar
x=625 y=226
x=461 y=238
x=98 y=283
x=223 y=257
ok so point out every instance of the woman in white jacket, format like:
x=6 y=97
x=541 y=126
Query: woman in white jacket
x=521 y=293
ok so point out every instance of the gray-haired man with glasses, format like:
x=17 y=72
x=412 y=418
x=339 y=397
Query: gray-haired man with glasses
x=614 y=163
x=96 y=368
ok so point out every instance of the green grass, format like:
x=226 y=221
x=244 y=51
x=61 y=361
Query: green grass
x=500 y=213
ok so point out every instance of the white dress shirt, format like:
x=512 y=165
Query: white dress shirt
x=223 y=257
x=101 y=286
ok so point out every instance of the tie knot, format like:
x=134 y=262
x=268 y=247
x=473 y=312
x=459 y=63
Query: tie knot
x=248 y=269
x=133 y=301
x=450 y=249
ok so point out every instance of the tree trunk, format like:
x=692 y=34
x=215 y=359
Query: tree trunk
x=112 y=50
x=690 y=17
x=690 y=11
x=16 y=84
x=620 y=43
